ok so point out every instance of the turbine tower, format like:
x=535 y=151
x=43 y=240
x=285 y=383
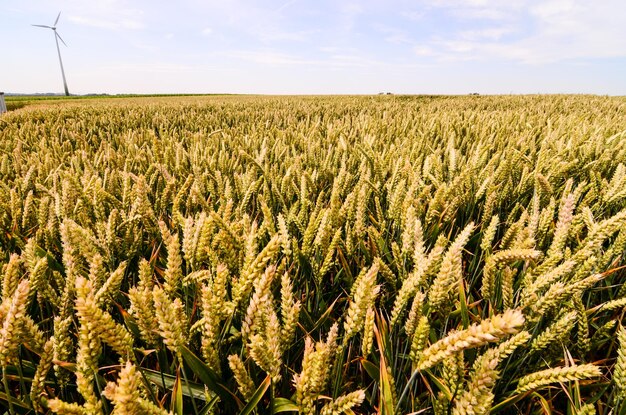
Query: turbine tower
x=57 y=37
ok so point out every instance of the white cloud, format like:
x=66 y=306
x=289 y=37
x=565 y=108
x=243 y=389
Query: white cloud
x=330 y=49
x=96 y=22
x=532 y=32
x=147 y=46
x=338 y=60
x=414 y=16
x=257 y=20
x=108 y=14
x=207 y=31
x=424 y=51
x=392 y=34
x=480 y=9
x=285 y=5
x=489 y=33
x=271 y=34
x=274 y=58
x=152 y=67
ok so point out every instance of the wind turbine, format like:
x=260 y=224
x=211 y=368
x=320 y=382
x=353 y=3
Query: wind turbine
x=57 y=37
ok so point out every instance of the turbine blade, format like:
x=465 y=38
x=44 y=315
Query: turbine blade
x=60 y=38
x=42 y=25
x=57 y=20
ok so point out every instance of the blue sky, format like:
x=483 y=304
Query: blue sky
x=311 y=47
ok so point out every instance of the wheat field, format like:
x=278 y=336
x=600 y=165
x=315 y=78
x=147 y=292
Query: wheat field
x=321 y=255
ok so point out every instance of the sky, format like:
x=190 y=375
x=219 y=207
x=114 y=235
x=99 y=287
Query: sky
x=316 y=46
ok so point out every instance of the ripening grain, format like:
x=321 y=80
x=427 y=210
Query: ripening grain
x=322 y=255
